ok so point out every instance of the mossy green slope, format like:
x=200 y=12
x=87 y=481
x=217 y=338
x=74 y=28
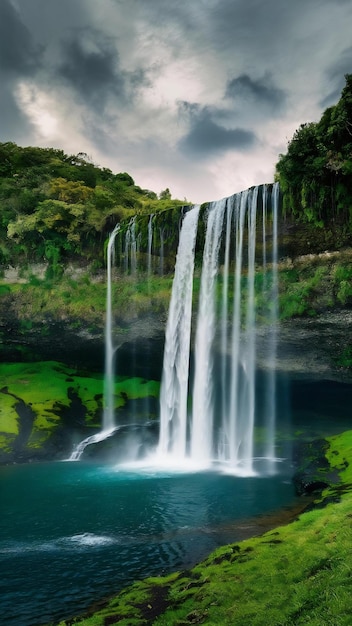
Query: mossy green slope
x=82 y=302
x=298 y=574
x=47 y=388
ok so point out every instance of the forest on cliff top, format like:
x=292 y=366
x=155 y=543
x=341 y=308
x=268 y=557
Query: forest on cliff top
x=57 y=207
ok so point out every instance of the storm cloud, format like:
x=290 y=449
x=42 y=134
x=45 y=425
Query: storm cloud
x=335 y=74
x=206 y=136
x=91 y=67
x=200 y=97
x=20 y=58
x=261 y=92
x=18 y=53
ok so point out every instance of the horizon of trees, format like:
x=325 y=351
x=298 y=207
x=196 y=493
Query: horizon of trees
x=56 y=206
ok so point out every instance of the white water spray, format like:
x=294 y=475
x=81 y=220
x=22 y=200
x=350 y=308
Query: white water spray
x=270 y=420
x=150 y=245
x=131 y=247
x=96 y=438
x=108 y=415
x=161 y=254
x=174 y=384
x=203 y=405
x=108 y=425
x=225 y=407
x=231 y=419
x=246 y=416
x=224 y=323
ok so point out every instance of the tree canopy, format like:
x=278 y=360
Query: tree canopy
x=315 y=174
x=51 y=201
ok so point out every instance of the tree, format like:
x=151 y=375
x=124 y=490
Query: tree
x=165 y=195
x=69 y=191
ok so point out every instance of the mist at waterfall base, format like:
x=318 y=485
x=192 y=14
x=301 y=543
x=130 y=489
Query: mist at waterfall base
x=77 y=532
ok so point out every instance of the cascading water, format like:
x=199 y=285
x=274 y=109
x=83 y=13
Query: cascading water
x=161 y=262
x=220 y=426
x=224 y=325
x=203 y=405
x=273 y=338
x=131 y=247
x=108 y=415
x=240 y=418
x=174 y=384
x=150 y=245
x=230 y=424
x=108 y=425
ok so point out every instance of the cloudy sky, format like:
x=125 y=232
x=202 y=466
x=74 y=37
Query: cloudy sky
x=200 y=96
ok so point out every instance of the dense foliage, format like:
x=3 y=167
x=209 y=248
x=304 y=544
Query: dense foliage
x=55 y=207
x=315 y=174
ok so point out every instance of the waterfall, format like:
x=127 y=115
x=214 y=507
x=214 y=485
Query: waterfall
x=108 y=415
x=202 y=412
x=96 y=438
x=108 y=422
x=232 y=425
x=242 y=415
x=224 y=326
x=161 y=261
x=209 y=412
x=174 y=384
x=270 y=405
x=131 y=247
x=225 y=402
x=150 y=244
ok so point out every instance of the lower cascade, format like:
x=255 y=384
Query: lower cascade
x=209 y=401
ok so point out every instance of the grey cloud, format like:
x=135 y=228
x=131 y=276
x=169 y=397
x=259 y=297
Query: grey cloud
x=261 y=91
x=335 y=75
x=18 y=54
x=331 y=98
x=249 y=27
x=14 y=125
x=19 y=59
x=158 y=12
x=206 y=136
x=91 y=67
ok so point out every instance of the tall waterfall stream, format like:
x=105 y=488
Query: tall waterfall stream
x=218 y=427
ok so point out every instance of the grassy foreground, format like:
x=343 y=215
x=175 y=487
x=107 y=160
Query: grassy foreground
x=298 y=574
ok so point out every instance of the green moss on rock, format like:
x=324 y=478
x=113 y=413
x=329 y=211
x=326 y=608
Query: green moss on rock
x=52 y=396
